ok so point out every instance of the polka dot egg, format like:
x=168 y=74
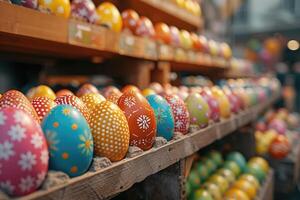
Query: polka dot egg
x=180 y=113
x=15 y=99
x=198 y=109
x=42 y=106
x=92 y=99
x=69 y=140
x=23 y=152
x=110 y=131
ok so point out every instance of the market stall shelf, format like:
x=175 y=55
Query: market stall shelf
x=122 y=175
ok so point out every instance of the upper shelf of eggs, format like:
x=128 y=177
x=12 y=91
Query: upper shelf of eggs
x=63 y=131
x=126 y=33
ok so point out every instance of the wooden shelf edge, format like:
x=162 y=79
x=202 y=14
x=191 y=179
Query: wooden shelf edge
x=266 y=190
x=28 y=31
x=123 y=174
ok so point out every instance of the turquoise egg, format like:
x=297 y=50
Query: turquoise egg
x=69 y=139
x=163 y=114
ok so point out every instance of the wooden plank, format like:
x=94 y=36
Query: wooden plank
x=266 y=190
x=27 y=22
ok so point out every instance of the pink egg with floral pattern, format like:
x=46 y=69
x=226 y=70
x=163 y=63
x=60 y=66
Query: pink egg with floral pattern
x=85 y=10
x=42 y=106
x=180 y=113
x=23 y=153
x=212 y=103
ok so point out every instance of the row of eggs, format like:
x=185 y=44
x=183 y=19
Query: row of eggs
x=129 y=20
x=67 y=130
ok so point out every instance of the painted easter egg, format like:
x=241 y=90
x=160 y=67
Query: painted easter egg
x=144 y=27
x=23 y=152
x=224 y=104
x=110 y=131
x=60 y=8
x=212 y=103
x=130 y=88
x=86 y=88
x=180 y=113
x=69 y=139
x=42 y=106
x=109 y=16
x=140 y=117
x=130 y=19
x=16 y=99
x=63 y=92
x=75 y=102
x=91 y=100
x=163 y=114
x=198 y=109
x=84 y=10
x=42 y=91
x=112 y=94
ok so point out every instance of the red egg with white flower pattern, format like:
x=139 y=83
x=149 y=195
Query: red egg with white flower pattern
x=42 y=106
x=180 y=113
x=140 y=117
x=16 y=99
x=23 y=152
x=86 y=88
x=212 y=103
x=84 y=10
x=76 y=103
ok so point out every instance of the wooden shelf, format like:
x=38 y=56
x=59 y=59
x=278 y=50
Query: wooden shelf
x=168 y=12
x=29 y=32
x=123 y=174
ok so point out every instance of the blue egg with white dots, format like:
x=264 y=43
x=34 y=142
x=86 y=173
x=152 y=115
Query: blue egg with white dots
x=69 y=139
x=164 y=118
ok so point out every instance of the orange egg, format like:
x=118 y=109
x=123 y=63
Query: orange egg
x=110 y=131
x=91 y=100
x=130 y=19
x=63 y=92
x=130 y=88
x=140 y=117
x=162 y=32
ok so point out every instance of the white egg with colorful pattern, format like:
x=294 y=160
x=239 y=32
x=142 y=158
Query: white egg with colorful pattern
x=69 y=139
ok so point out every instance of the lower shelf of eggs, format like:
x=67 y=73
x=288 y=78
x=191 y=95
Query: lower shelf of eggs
x=70 y=135
x=233 y=178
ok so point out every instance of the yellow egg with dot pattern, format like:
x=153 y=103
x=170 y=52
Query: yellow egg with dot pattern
x=110 y=131
x=91 y=100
